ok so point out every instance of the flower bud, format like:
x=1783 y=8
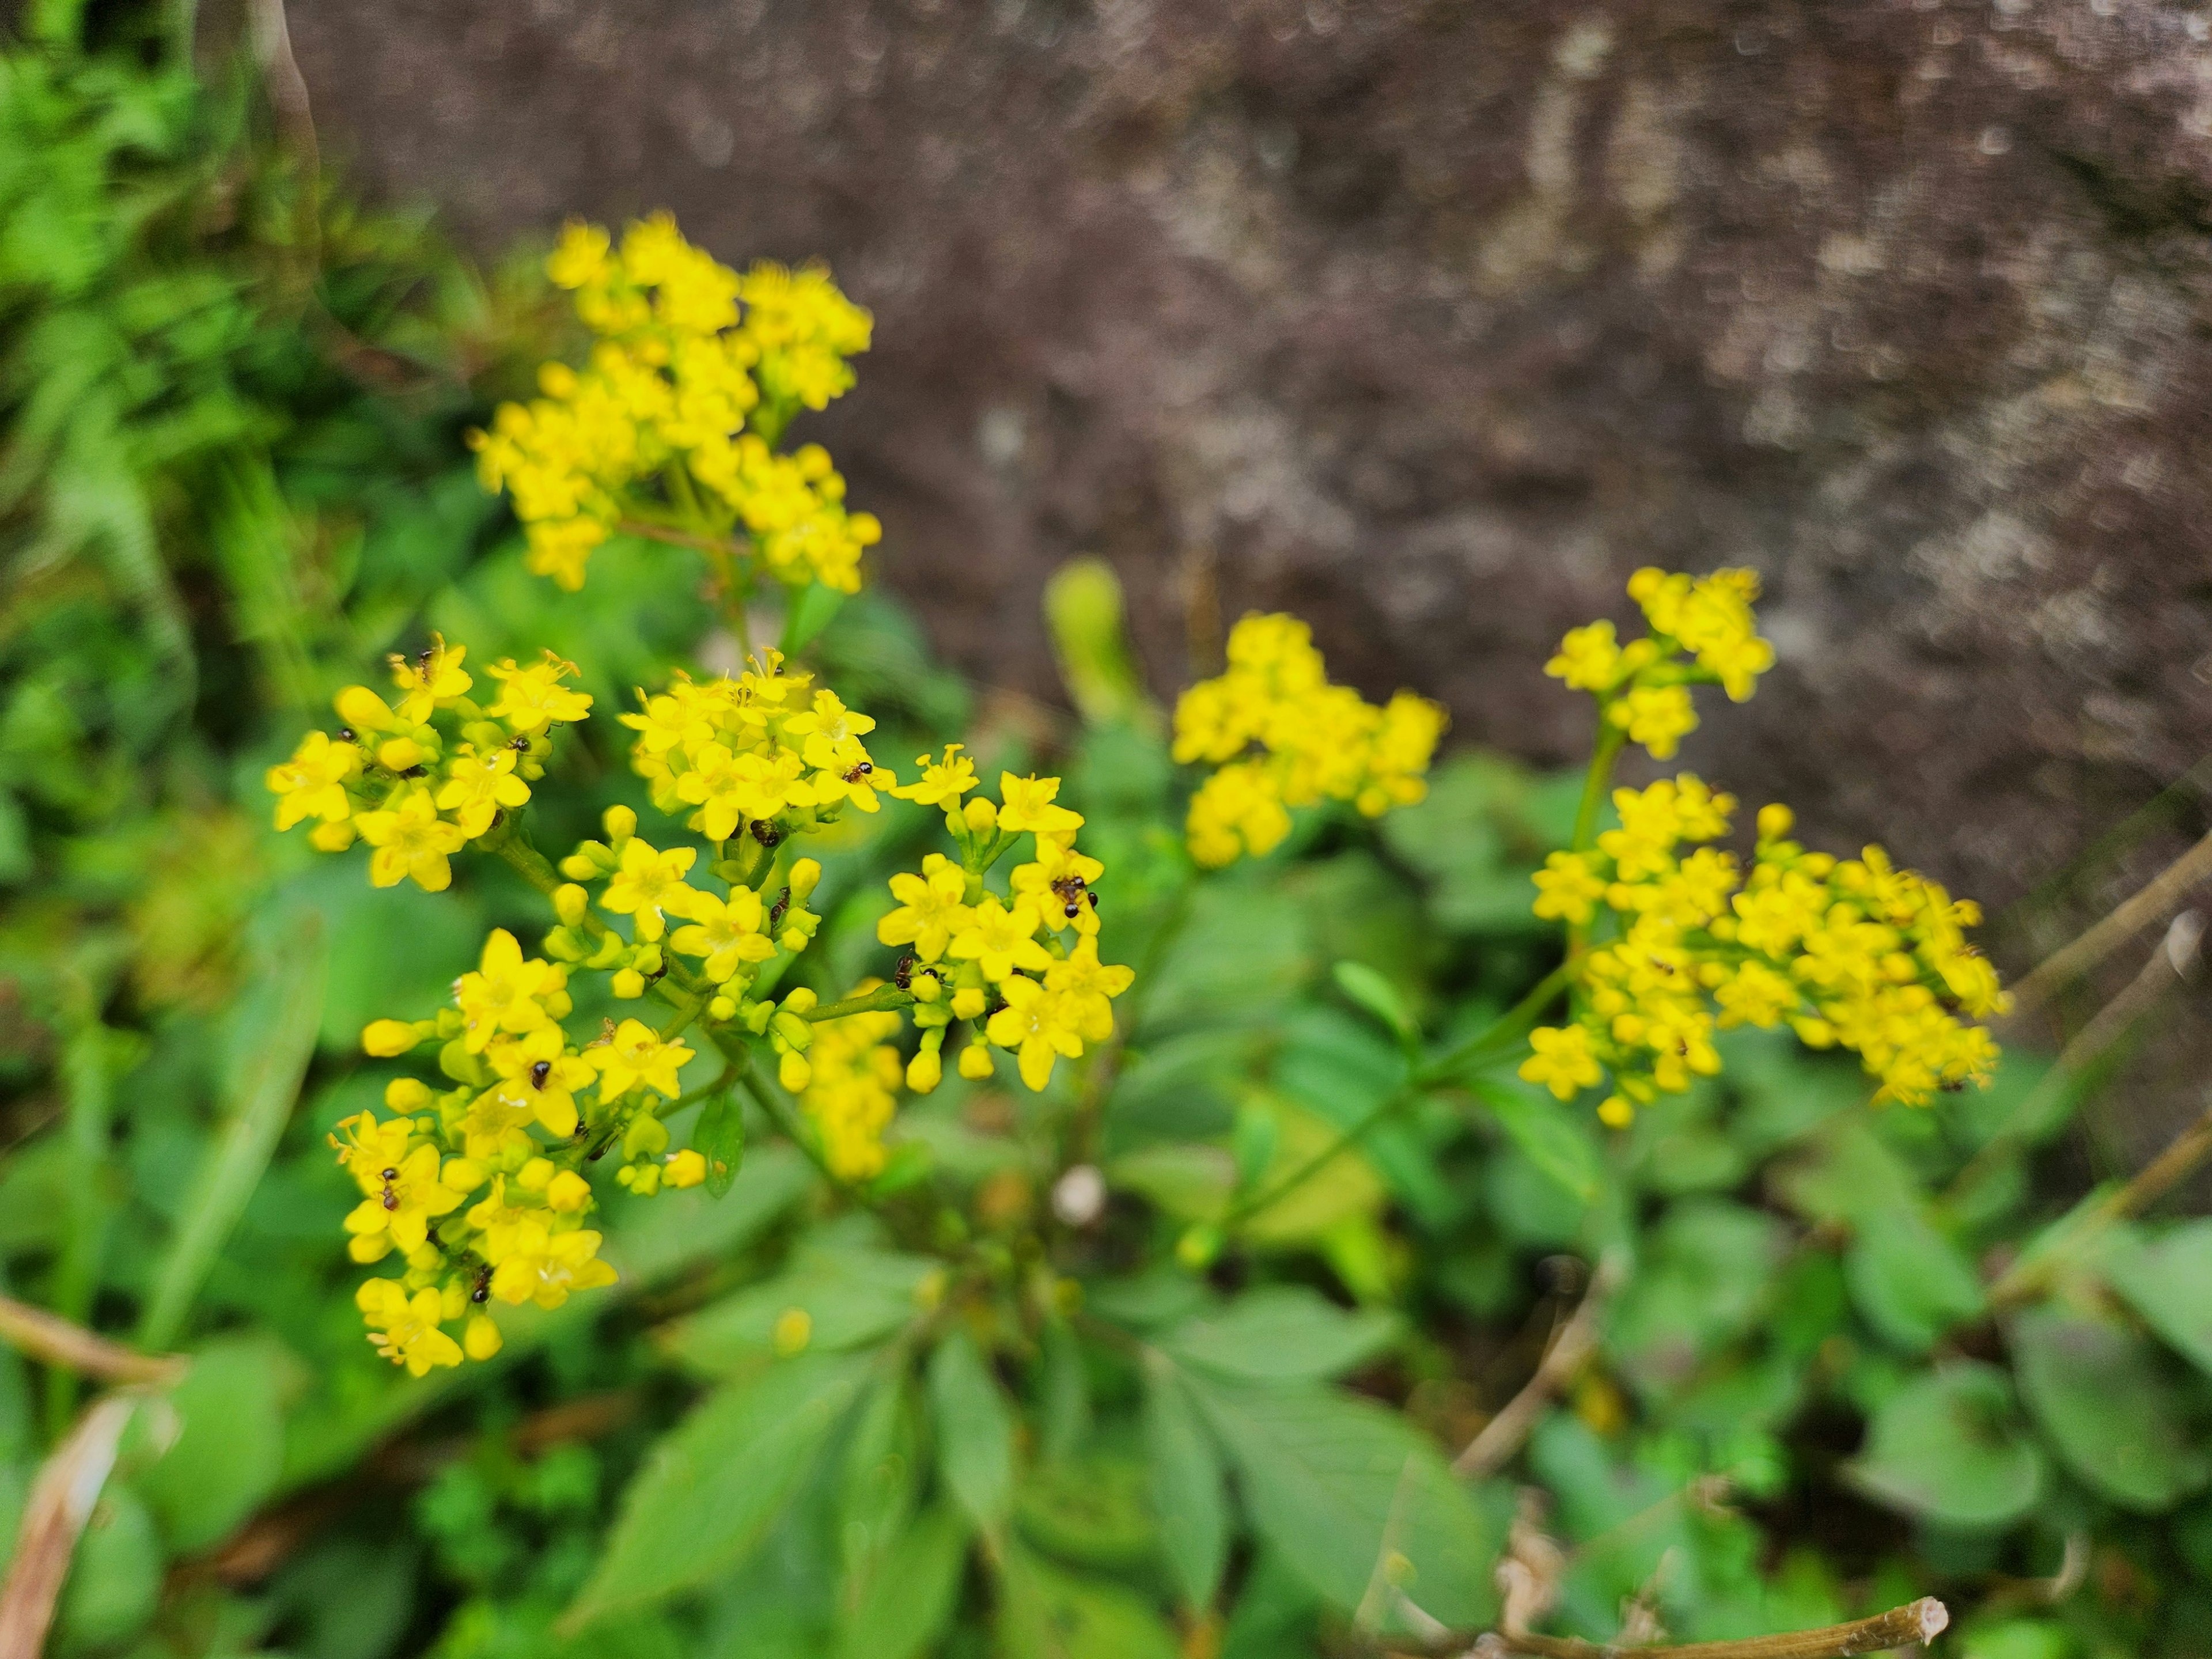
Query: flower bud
x=722 y=1007
x=967 y=1002
x=621 y=823
x=802 y=1000
x=534 y=1176
x=363 y=710
x=976 y=1061
x=925 y=1071
x=462 y=1174
x=568 y=903
x=982 y=816
x=568 y=1192
x=629 y=985
x=399 y=753
x=927 y=988
x=384 y=1038
x=793 y=1073
x=1775 y=821
x=806 y=877
x=687 y=1169
x=647 y=1138
x=794 y=1033
x=332 y=837
x=406 y=1094
x=481 y=1341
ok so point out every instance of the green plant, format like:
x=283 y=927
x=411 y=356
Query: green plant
x=1302 y=1305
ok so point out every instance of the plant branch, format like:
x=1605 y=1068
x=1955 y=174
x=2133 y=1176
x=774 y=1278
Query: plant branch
x=881 y=999
x=660 y=532
x=54 y=1340
x=1917 y=1622
x=1503 y=1434
x=2152 y=902
x=1504 y=1029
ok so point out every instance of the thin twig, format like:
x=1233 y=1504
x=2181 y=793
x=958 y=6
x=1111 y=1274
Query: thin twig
x=1917 y=1622
x=674 y=538
x=1503 y=1434
x=2168 y=966
x=49 y=1338
x=62 y=1501
x=2156 y=897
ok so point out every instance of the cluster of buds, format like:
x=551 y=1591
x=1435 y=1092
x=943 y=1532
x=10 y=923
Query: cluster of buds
x=419 y=777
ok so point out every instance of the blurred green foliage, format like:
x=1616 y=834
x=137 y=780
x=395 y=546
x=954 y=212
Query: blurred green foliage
x=232 y=476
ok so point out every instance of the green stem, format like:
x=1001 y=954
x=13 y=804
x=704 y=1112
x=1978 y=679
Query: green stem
x=1505 y=1030
x=882 y=999
x=1238 y=1214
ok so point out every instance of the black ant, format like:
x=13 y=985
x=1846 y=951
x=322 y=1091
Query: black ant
x=766 y=833
x=859 y=772
x=482 y=1292
x=775 y=911
x=391 y=1198
x=423 y=658
x=1071 y=890
x=539 y=1072
x=345 y=734
x=413 y=772
x=902 y=976
x=521 y=743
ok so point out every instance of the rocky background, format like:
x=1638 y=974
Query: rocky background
x=1431 y=321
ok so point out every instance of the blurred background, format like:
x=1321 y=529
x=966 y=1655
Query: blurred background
x=1430 y=322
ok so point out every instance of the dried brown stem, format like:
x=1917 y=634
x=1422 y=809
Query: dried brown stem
x=54 y=1340
x=62 y=1501
x=1503 y=1434
x=2159 y=895
x=1917 y=1623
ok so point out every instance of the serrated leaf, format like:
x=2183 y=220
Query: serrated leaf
x=1187 y=1493
x=2097 y=1391
x=2167 y=1279
x=1346 y=1490
x=1281 y=1334
x=1541 y=1129
x=710 y=1489
x=1949 y=1446
x=974 y=1429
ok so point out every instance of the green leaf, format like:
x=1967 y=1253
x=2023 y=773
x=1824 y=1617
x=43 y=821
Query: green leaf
x=1351 y=1496
x=1089 y=1510
x=812 y=609
x=1082 y=610
x=1187 y=1493
x=720 y=1138
x=2097 y=1391
x=1910 y=1282
x=1707 y=1269
x=1949 y=1446
x=1282 y=1334
x=974 y=1429
x=230 y=1451
x=2167 y=1279
x=852 y=1297
x=710 y=1490
x=1539 y=1128
x=1047 y=1613
x=115 y=1578
x=882 y=1476
x=1378 y=997
x=276 y=1038
x=910 y=1600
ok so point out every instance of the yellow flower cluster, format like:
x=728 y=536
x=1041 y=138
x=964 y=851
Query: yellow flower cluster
x=1852 y=952
x=1703 y=632
x=479 y=1188
x=652 y=430
x=419 y=777
x=997 y=960
x=764 y=752
x=1281 y=737
x=853 y=1089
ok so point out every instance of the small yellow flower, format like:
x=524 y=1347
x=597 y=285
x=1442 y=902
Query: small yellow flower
x=404 y=1329
x=311 y=784
x=648 y=885
x=725 y=932
x=533 y=698
x=932 y=908
x=1000 y=940
x=412 y=840
x=1026 y=803
x=541 y=1265
x=636 y=1056
x=430 y=681
x=1589 y=659
x=477 y=787
x=1562 y=1061
x=404 y=1199
x=508 y=992
x=943 y=782
x=1041 y=1026
x=539 y=1075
